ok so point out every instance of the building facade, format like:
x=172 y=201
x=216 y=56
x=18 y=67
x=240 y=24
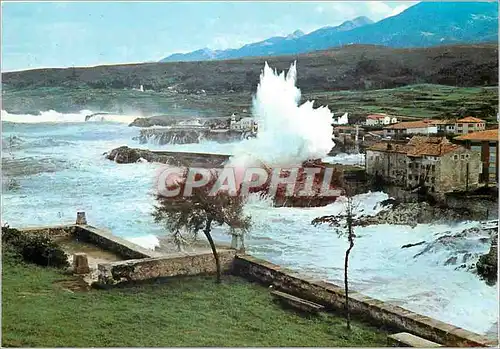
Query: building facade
x=243 y=124
x=380 y=119
x=410 y=128
x=468 y=125
x=486 y=143
x=432 y=162
x=445 y=127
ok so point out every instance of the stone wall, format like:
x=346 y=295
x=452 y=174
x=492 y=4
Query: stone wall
x=99 y=237
x=179 y=264
x=453 y=171
x=389 y=165
x=110 y=242
x=378 y=312
x=58 y=231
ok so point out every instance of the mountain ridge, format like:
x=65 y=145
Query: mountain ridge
x=425 y=24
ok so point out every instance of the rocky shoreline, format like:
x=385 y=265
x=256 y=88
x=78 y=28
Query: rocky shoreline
x=413 y=213
x=487 y=265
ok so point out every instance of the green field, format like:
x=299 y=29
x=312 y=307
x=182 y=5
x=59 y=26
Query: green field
x=40 y=310
x=416 y=101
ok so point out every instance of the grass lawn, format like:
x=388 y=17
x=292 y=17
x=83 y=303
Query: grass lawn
x=38 y=311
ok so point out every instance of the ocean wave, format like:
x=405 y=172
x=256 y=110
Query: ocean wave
x=52 y=116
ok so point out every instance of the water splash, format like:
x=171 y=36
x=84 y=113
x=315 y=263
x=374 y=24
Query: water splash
x=52 y=116
x=289 y=133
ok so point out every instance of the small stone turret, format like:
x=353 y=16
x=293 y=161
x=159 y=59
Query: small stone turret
x=80 y=218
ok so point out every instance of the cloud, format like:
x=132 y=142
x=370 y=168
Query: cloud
x=376 y=10
x=224 y=42
x=398 y=9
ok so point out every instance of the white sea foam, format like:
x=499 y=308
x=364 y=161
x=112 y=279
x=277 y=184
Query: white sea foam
x=52 y=116
x=149 y=242
x=345 y=159
x=289 y=133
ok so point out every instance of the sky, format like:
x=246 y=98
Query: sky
x=66 y=34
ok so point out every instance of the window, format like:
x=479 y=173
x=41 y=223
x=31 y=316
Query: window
x=433 y=168
x=432 y=189
x=467 y=156
x=410 y=165
x=455 y=157
x=470 y=131
x=416 y=165
x=462 y=157
x=433 y=180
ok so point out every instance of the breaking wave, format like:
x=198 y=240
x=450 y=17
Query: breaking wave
x=53 y=116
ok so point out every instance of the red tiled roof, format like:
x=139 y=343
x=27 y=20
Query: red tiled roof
x=418 y=146
x=431 y=149
x=390 y=147
x=408 y=124
x=443 y=122
x=376 y=116
x=487 y=135
x=470 y=119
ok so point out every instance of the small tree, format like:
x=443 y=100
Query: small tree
x=200 y=211
x=344 y=227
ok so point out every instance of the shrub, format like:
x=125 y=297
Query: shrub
x=33 y=248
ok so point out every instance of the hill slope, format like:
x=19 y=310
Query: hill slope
x=346 y=68
x=422 y=25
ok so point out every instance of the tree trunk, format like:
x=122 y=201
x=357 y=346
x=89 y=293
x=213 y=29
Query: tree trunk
x=207 y=230
x=346 y=285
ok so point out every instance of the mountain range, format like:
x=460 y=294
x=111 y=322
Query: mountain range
x=422 y=25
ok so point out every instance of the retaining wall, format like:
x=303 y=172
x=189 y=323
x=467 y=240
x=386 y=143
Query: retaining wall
x=167 y=266
x=108 y=241
x=57 y=231
x=99 y=237
x=376 y=311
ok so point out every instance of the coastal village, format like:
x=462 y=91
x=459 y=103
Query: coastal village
x=441 y=155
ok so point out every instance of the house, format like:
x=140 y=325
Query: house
x=380 y=119
x=486 y=143
x=444 y=127
x=469 y=124
x=243 y=124
x=340 y=131
x=424 y=127
x=431 y=162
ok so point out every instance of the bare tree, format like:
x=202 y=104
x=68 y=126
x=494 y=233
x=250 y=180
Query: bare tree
x=344 y=227
x=199 y=212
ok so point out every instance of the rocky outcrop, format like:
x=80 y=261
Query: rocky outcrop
x=487 y=266
x=460 y=249
x=126 y=155
x=414 y=213
x=166 y=120
x=190 y=135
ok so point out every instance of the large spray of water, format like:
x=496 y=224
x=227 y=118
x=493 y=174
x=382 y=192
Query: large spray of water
x=289 y=133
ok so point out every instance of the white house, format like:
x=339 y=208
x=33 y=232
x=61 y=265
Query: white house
x=380 y=119
x=244 y=124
